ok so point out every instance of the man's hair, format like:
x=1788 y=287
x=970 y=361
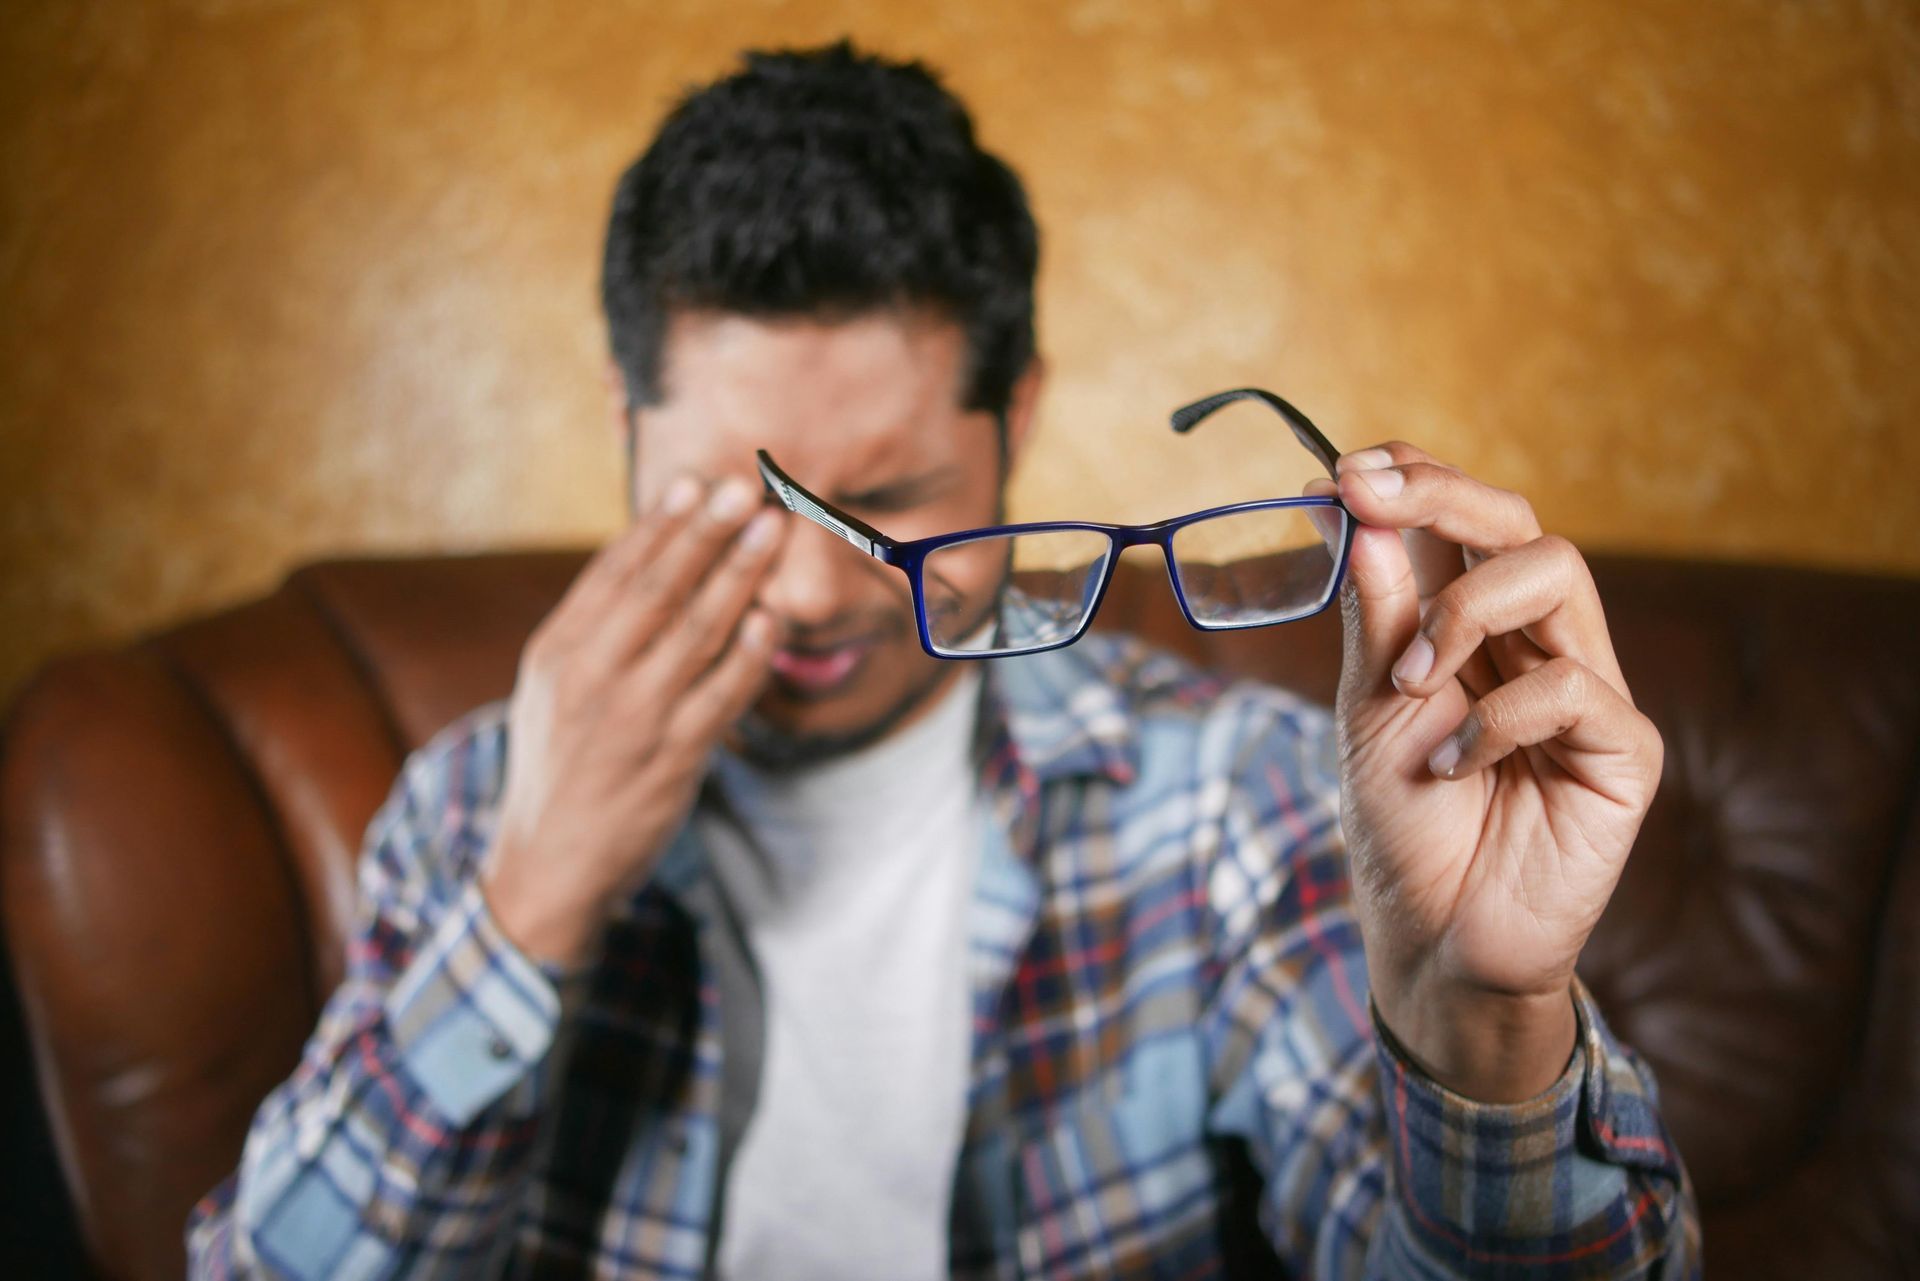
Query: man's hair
x=823 y=183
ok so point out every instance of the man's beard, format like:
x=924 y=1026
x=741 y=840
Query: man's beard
x=776 y=751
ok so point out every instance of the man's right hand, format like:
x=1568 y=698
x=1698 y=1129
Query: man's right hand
x=622 y=693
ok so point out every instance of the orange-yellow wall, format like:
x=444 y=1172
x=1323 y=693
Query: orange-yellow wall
x=283 y=278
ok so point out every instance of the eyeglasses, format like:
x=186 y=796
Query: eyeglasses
x=1250 y=564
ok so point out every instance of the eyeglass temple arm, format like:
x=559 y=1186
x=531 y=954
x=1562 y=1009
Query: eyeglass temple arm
x=1187 y=417
x=797 y=499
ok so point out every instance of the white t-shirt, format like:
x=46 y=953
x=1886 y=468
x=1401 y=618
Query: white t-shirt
x=854 y=895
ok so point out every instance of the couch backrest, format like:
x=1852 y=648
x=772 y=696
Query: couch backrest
x=182 y=816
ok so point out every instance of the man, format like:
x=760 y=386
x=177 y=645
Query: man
x=748 y=940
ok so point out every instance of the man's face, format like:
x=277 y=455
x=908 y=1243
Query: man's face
x=866 y=413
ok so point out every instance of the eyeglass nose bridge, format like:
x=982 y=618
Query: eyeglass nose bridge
x=1123 y=538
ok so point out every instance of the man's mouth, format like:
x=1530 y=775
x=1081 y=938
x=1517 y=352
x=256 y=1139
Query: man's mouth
x=815 y=673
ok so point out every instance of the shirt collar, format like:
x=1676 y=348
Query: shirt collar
x=1064 y=712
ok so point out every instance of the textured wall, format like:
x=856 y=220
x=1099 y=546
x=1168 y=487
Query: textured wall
x=285 y=278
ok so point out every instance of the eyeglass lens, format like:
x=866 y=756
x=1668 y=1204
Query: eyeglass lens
x=1050 y=580
x=1267 y=565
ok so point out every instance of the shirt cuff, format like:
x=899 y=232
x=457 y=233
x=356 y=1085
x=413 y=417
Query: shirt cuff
x=472 y=1017
x=1504 y=1175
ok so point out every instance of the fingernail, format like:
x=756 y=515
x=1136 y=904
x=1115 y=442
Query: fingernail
x=1445 y=757
x=731 y=500
x=1415 y=663
x=1366 y=460
x=681 y=495
x=761 y=531
x=1384 y=484
x=1327 y=521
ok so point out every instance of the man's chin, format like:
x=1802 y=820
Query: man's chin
x=776 y=735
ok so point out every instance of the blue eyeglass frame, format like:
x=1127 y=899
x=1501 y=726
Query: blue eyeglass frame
x=910 y=557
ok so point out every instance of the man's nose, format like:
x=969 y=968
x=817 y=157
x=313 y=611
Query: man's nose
x=817 y=577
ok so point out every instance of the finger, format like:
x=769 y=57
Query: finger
x=1599 y=735
x=724 y=693
x=1424 y=495
x=1380 y=600
x=1391 y=453
x=1541 y=590
x=614 y=563
x=1436 y=561
x=660 y=587
x=676 y=509
x=1328 y=522
x=691 y=643
x=1380 y=606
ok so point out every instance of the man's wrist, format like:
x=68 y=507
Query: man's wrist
x=548 y=928
x=1491 y=1047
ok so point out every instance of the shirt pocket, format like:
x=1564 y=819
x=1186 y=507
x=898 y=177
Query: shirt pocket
x=1118 y=1182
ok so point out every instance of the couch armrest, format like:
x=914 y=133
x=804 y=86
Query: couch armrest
x=153 y=1031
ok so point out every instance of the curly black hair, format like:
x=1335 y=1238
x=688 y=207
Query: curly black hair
x=822 y=182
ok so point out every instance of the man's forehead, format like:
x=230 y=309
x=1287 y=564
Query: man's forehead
x=876 y=389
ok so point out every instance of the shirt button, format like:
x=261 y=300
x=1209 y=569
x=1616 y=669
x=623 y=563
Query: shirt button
x=499 y=1049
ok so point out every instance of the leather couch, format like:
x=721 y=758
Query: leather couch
x=181 y=817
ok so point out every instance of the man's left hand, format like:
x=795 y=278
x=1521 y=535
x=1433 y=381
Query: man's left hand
x=1494 y=769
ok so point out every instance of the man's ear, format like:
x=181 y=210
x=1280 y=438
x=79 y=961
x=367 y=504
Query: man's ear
x=1023 y=405
x=625 y=429
x=615 y=384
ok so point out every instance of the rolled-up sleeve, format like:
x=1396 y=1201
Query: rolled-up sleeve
x=403 y=1139
x=1581 y=1180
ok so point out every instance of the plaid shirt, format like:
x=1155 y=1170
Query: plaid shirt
x=1172 y=1043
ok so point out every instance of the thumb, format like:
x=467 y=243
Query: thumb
x=1381 y=604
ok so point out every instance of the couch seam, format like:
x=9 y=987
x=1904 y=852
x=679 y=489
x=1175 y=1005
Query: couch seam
x=203 y=698
x=335 y=625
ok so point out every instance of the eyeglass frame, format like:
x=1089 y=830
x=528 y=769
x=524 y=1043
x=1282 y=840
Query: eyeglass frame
x=910 y=556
